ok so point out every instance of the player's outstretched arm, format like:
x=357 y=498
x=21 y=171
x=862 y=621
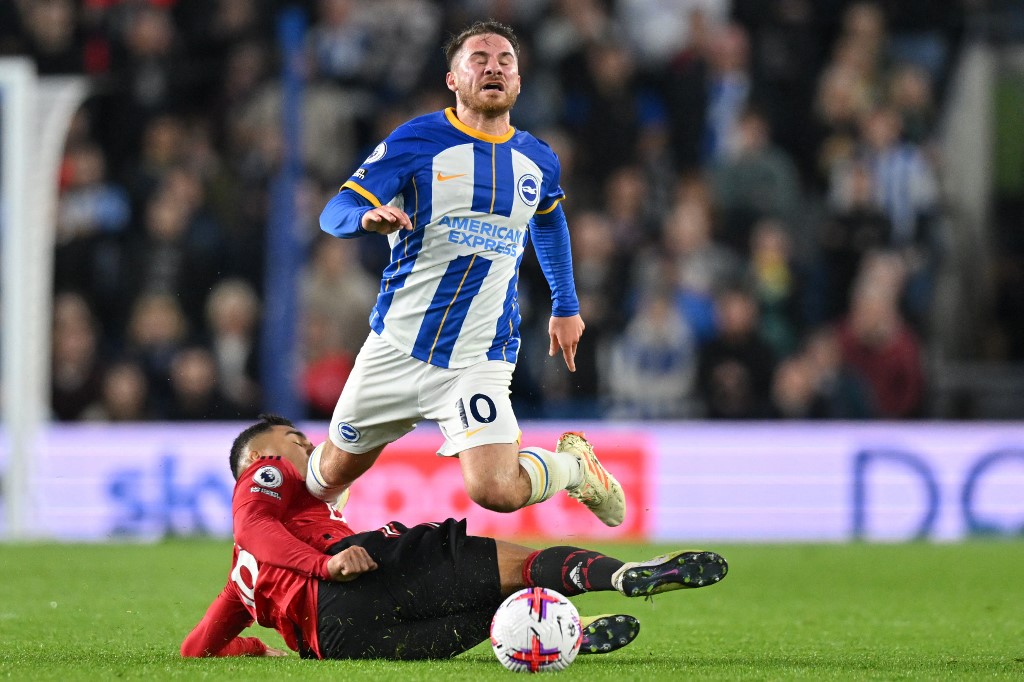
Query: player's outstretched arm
x=551 y=242
x=217 y=633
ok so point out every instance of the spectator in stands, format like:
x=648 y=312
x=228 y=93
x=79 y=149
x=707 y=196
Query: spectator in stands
x=878 y=343
x=52 y=38
x=683 y=88
x=210 y=32
x=566 y=31
x=737 y=365
x=232 y=317
x=907 y=190
x=793 y=393
x=842 y=390
x=77 y=369
x=626 y=206
x=337 y=286
x=905 y=183
x=656 y=31
x=860 y=49
x=413 y=24
x=855 y=227
x=606 y=97
x=93 y=214
x=329 y=119
x=778 y=282
x=840 y=103
x=729 y=87
x=195 y=390
x=786 y=43
x=124 y=395
x=925 y=33
x=89 y=204
x=169 y=258
x=246 y=67
x=656 y=162
x=151 y=76
x=696 y=265
x=184 y=185
x=340 y=44
x=754 y=179
x=910 y=94
x=326 y=363
x=157 y=330
x=864 y=24
x=162 y=148
x=652 y=366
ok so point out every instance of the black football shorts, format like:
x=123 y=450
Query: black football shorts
x=432 y=596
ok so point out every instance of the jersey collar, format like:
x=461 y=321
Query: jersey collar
x=473 y=132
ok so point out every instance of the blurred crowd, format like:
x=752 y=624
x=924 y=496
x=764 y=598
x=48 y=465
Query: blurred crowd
x=752 y=192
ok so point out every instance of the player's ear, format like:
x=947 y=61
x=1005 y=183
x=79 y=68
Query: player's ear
x=449 y=80
x=249 y=457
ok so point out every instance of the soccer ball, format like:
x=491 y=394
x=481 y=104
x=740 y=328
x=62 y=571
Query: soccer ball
x=535 y=630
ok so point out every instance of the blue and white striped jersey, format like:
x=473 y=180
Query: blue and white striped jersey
x=448 y=296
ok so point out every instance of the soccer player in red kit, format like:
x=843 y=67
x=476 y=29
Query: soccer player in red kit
x=402 y=593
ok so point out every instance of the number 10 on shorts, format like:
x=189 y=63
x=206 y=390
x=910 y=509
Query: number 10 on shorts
x=480 y=406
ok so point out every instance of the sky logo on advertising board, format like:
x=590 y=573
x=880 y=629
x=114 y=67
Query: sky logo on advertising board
x=980 y=517
x=165 y=503
x=749 y=483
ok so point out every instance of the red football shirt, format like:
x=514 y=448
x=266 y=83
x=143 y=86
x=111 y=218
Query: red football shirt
x=281 y=533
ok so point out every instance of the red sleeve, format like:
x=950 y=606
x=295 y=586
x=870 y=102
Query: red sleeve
x=217 y=633
x=261 y=500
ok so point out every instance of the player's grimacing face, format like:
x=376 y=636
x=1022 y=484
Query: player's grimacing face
x=286 y=442
x=485 y=75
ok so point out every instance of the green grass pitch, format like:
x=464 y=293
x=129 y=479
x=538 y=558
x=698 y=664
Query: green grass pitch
x=810 y=612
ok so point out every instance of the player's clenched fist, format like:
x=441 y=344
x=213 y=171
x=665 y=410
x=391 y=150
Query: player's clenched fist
x=385 y=220
x=350 y=563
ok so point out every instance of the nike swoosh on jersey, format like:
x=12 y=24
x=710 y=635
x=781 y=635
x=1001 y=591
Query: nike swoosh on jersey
x=446 y=178
x=472 y=432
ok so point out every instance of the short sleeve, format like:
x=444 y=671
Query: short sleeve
x=551 y=192
x=389 y=166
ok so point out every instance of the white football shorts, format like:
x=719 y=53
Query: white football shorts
x=389 y=392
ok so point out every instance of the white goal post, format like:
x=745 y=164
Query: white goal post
x=35 y=114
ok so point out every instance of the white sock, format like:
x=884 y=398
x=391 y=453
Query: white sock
x=549 y=472
x=314 y=480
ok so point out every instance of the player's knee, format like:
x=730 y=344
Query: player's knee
x=490 y=495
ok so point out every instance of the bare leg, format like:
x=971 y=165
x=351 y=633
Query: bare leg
x=339 y=468
x=511 y=558
x=493 y=477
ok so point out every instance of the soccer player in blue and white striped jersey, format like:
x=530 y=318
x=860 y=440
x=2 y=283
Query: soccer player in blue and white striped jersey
x=459 y=193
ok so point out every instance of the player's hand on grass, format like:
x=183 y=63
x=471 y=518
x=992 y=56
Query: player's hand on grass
x=350 y=563
x=272 y=651
x=565 y=333
x=385 y=220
